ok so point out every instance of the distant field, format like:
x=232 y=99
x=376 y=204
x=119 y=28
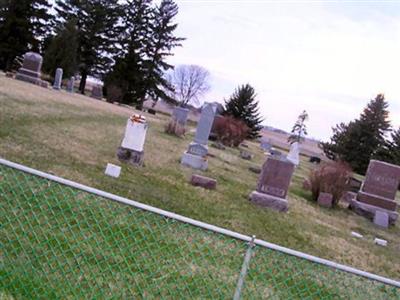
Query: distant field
x=74 y=136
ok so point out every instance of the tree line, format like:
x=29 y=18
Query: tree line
x=123 y=43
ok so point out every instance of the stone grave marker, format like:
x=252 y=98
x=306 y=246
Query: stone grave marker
x=273 y=184
x=325 y=200
x=97 y=92
x=294 y=152
x=381 y=218
x=378 y=191
x=70 y=84
x=113 y=170
x=196 y=155
x=31 y=68
x=180 y=115
x=58 y=79
x=132 y=146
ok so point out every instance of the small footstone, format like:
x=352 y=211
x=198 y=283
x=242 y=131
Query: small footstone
x=380 y=242
x=205 y=182
x=356 y=234
x=325 y=200
x=113 y=170
x=245 y=155
x=255 y=169
x=381 y=218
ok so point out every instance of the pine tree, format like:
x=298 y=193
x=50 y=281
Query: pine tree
x=242 y=105
x=299 y=129
x=149 y=40
x=358 y=141
x=390 y=151
x=62 y=50
x=24 y=25
x=162 y=42
x=97 y=23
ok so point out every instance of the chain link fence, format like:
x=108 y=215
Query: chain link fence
x=58 y=241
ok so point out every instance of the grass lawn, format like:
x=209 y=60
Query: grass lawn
x=74 y=137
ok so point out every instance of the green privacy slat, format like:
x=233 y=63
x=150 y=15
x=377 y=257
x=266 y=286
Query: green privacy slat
x=61 y=242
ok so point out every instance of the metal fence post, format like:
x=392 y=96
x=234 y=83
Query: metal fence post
x=245 y=266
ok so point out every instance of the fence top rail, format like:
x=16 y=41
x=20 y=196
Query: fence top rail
x=203 y=225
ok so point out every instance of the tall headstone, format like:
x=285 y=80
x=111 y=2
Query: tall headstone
x=273 y=184
x=70 y=84
x=132 y=146
x=97 y=92
x=294 y=153
x=31 y=68
x=378 y=191
x=196 y=155
x=58 y=79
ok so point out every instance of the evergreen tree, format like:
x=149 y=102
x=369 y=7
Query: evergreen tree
x=161 y=43
x=299 y=129
x=149 y=40
x=357 y=142
x=97 y=24
x=128 y=72
x=390 y=152
x=24 y=25
x=242 y=105
x=62 y=51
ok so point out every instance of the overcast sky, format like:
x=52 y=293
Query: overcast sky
x=327 y=57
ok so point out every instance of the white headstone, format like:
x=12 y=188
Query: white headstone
x=57 y=79
x=113 y=170
x=294 y=153
x=135 y=133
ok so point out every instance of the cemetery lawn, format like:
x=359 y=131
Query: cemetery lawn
x=74 y=137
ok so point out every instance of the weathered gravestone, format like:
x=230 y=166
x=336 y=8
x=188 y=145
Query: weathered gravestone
x=97 y=92
x=58 y=79
x=70 y=84
x=180 y=115
x=265 y=144
x=378 y=191
x=132 y=146
x=196 y=155
x=325 y=200
x=294 y=152
x=273 y=184
x=31 y=67
x=381 y=219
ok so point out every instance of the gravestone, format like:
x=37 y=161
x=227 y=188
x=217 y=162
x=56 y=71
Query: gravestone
x=204 y=182
x=273 y=184
x=58 y=79
x=70 y=84
x=265 y=145
x=113 y=170
x=294 y=153
x=97 y=92
x=31 y=68
x=380 y=185
x=325 y=200
x=180 y=115
x=381 y=219
x=132 y=146
x=196 y=155
x=378 y=191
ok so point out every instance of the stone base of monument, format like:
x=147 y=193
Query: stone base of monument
x=28 y=78
x=194 y=161
x=130 y=156
x=269 y=201
x=369 y=211
x=376 y=200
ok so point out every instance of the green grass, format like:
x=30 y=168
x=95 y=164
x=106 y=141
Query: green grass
x=74 y=137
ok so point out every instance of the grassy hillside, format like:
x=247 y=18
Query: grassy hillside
x=74 y=137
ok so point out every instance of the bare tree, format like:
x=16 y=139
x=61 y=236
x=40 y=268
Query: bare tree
x=189 y=83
